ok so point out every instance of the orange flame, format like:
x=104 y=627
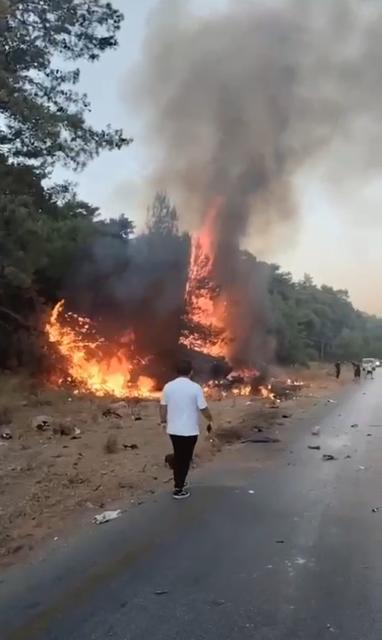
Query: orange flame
x=206 y=306
x=87 y=364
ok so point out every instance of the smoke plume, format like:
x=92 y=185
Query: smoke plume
x=236 y=102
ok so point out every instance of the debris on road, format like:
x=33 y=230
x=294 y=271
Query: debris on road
x=77 y=434
x=217 y=603
x=280 y=541
x=161 y=592
x=116 y=410
x=133 y=447
x=6 y=433
x=328 y=456
x=375 y=509
x=41 y=423
x=251 y=491
x=314 y=447
x=361 y=468
x=106 y=516
x=330 y=401
x=347 y=457
x=316 y=431
x=354 y=426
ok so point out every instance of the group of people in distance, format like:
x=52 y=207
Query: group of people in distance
x=369 y=371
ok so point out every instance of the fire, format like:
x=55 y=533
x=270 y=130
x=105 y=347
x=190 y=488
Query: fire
x=267 y=393
x=91 y=364
x=206 y=306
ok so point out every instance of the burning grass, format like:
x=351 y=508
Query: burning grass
x=92 y=364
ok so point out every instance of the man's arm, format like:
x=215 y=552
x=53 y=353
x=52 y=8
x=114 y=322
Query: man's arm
x=203 y=406
x=163 y=413
x=163 y=408
x=206 y=413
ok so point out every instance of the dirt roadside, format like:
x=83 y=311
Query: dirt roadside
x=50 y=479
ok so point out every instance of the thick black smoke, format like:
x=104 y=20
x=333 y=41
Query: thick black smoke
x=235 y=103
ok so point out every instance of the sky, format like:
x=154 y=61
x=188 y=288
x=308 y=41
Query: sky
x=333 y=250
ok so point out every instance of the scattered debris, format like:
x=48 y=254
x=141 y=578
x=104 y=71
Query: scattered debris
x=261 y=440
x=116 y=410
x=77 y=434
x=330 y=401
x=217 y=603
x=314 y=447
x=316 y=431
x=42 y=423
x=361 y=468
x=347 y=457
x=251 y=491
x=111 y=444
x=369 y=435
x=375 y=509
x=137 y=418
x=161 y=592
x=280 y=541
x=133 y=447
x=6 y=433
x=354 y=426
x=330 y=628
x=328 y=456
x=106 y=516
x=286 y=415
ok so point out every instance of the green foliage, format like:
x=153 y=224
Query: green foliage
x=162 y=218
x=311 y=322
x=42 y=116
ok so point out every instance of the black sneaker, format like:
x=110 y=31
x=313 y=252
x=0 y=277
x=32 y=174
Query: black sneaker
x=181 y=494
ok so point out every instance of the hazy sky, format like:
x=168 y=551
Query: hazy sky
x=339 y=249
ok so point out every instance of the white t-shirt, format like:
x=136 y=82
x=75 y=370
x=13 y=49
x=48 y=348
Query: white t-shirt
x=184 y=399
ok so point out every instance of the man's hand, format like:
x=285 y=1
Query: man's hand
x=163 y=416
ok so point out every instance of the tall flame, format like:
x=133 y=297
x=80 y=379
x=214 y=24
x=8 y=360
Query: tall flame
x=206 y=305
x=90 y=363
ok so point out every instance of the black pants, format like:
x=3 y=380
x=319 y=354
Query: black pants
x=183 y=451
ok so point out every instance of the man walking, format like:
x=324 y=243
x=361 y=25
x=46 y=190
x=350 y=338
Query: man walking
x=182 y=401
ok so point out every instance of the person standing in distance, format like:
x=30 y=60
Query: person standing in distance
x=181 y=402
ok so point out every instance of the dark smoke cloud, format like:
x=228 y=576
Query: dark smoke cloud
x=236 y=102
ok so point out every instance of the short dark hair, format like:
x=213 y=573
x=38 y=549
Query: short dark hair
x=184 y=368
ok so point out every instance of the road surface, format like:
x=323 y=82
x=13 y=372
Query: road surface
x=288 y=551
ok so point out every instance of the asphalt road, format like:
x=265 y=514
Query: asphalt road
x=288 y=551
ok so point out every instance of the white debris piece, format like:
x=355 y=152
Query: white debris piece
x=6 y=433
x=316 y=431
x=106 y=516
